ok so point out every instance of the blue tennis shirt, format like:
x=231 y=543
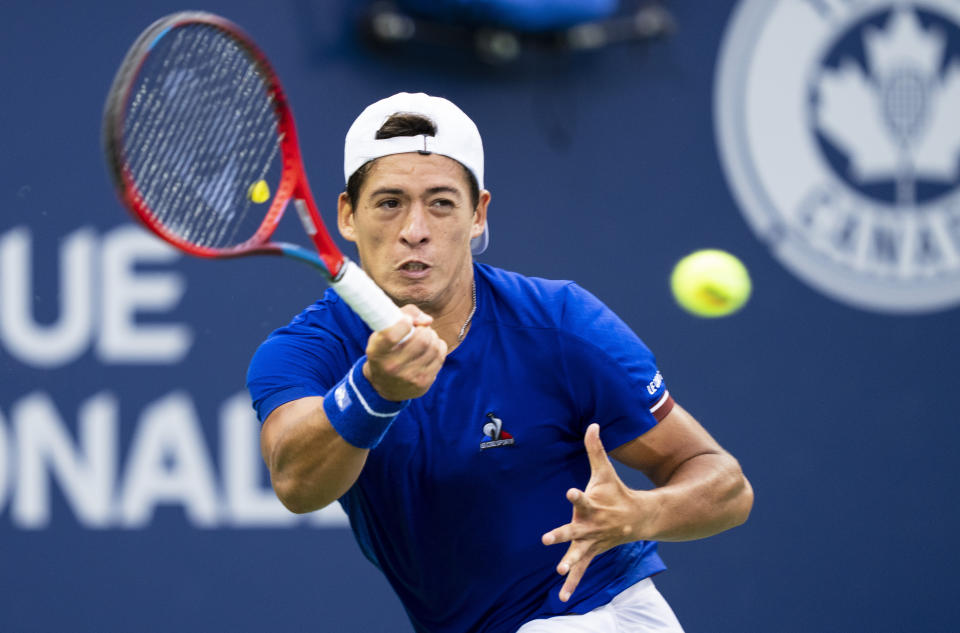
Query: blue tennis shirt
x=452 y=504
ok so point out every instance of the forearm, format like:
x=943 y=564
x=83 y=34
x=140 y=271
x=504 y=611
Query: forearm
x=316 y=447
x=310 y=464
x=705 y=495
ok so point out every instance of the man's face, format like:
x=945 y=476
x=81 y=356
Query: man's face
x=412 y=223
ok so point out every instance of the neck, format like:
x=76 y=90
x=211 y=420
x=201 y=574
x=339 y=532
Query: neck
x=448 y=321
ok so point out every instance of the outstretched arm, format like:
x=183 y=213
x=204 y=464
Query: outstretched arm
x=700 y=491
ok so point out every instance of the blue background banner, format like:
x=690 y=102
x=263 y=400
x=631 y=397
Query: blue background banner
x=132 y=494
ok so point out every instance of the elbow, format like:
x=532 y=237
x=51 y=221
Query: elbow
x=298 y=505
x=744 y=503
x=296 y=497
x=742 y=496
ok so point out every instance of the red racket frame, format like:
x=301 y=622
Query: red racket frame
x=293 y=181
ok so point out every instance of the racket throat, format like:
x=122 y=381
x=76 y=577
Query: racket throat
x=304 y=212
x=326 y=248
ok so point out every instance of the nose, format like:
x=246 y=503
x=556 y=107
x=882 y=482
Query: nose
x=416 y=230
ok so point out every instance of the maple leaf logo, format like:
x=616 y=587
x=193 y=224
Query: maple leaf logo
x=899 y=122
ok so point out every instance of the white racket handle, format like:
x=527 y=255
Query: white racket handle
x=366 y=298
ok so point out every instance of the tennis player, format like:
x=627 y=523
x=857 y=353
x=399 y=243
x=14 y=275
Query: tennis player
x=469 y=442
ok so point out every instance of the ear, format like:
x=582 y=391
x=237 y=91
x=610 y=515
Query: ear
x=345 y=218
x=480 y=214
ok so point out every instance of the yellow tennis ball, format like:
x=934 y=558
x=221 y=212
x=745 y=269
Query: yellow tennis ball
x=710 y=283
x=259 y=191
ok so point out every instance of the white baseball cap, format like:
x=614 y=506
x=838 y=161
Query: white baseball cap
x=457 y=137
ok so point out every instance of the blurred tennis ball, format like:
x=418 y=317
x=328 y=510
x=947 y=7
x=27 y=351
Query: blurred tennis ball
x=710 y=283
x=259 y=192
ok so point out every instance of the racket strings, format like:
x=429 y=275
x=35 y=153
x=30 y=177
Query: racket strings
x=167 y=198
x=219 y=159
x=200 y=130
x=205 y=229
x=263 y=149
x=160 y=128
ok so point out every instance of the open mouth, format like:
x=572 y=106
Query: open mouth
x=413 y=267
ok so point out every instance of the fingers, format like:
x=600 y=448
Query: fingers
x=582 y=507
x=561 y=534
x=425 y=355
x=386 y=339
x=585 y=541
x=573 y=565
x=576 y=559
x=422 y=352
x=403 y=360
x=573 y=578
x=400 y=332
x=577 y=551
x=405 y=340
x=577 y=498
x=420 y=318
x=599 y=461
x=570 y=531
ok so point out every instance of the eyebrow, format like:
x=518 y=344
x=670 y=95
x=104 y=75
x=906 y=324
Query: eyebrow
x=443 y=189
x=386 y=190
x=394 y=191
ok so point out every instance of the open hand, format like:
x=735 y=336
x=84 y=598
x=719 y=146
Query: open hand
x=604 y=516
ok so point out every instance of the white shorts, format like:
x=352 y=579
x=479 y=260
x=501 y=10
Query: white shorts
x=637 y=609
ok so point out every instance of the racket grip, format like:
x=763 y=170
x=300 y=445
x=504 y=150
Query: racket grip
x=365 y=297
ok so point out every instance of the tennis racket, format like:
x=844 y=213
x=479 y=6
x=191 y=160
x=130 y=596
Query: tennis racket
x=197 y=133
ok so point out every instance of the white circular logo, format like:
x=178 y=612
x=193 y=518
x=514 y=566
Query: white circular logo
x=838 y=125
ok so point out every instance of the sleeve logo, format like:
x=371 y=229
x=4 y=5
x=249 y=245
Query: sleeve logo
x=655 y=384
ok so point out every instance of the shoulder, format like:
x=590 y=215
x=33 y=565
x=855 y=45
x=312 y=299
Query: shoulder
x=327 y=318
x=554 y=303
x=327 y=329
x=577 y=321
x=521 y=300
x=307 y=356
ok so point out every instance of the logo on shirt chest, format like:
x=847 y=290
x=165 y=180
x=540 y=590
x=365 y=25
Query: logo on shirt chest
x=495 y=435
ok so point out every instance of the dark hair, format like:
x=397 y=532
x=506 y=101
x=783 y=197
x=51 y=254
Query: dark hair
x=404 y=124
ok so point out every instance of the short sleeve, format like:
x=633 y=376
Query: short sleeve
x=612 y=373
x=295 y=362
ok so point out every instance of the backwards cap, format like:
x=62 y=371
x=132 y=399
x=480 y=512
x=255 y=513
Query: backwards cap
x=457 y=137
